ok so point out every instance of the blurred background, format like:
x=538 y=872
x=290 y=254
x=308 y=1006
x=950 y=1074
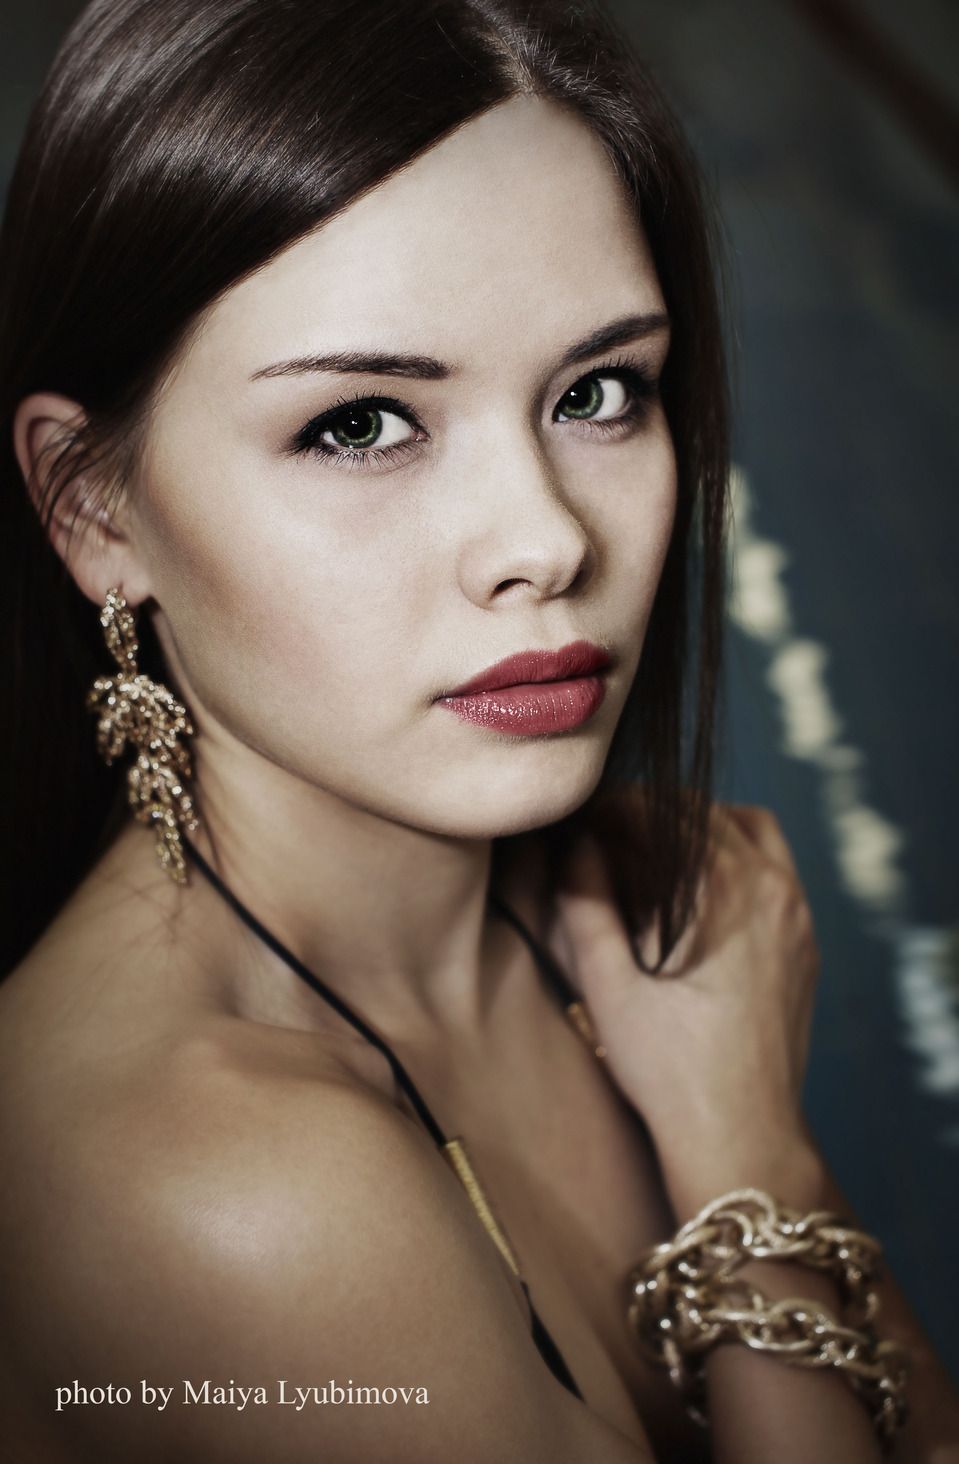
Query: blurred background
x=829 y=130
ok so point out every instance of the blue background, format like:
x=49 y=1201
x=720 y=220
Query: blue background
x=843 y=231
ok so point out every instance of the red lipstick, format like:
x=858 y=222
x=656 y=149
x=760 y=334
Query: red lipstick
x=534 y=692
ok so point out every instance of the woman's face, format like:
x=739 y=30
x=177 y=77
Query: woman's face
x=423 y=439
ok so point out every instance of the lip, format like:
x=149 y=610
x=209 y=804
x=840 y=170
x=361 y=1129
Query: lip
x=580 y=658
x=534 y=693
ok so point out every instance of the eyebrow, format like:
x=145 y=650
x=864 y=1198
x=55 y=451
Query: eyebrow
x=428 y=368
x=618 y=333
x=361 y=363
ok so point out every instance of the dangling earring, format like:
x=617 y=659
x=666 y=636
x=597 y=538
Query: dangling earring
x=133 y=709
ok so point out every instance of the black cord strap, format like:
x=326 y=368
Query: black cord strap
x=557 y=981
x=549 y=967
x=403 y=1079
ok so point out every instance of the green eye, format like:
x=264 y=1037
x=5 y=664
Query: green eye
x=596 y=398
x=583 y=399
x=364 y=431
x=356 y=428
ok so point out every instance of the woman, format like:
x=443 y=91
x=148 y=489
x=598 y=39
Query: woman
x=368 y=353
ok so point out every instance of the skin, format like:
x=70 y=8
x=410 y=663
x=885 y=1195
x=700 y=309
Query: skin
x=217 y=1179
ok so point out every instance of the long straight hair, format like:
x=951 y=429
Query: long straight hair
x=178 y=145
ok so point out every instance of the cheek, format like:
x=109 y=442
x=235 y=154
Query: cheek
x=280 y=613
x=633 y=515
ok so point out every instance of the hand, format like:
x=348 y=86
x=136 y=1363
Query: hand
x=712 y=1051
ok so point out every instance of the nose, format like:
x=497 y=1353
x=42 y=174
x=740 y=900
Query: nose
x=523 y=540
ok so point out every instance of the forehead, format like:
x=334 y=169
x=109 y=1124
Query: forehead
x=515 y=226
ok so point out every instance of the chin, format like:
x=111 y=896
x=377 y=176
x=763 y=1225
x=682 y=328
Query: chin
x=522 y=793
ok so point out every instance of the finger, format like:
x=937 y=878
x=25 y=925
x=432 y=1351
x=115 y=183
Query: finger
x=762 y=828
x=725 y=828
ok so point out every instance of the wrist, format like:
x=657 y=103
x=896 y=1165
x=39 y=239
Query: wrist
x=752 y=1271
x=792 y=1171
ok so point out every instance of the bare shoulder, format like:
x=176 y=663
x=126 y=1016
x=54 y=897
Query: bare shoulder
x=222 y=1227
x=213 y=1147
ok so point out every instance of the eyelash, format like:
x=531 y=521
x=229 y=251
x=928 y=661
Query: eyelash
x=638 y=381
x=309 y=439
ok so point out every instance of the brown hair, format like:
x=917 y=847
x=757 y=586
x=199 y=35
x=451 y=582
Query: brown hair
x=177 y=145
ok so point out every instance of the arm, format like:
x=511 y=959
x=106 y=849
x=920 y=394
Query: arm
x=713 y=1060
x=265 y=1232
x=931 y=1434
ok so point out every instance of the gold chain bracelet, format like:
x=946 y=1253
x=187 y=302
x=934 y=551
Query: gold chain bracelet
x=688 y=1298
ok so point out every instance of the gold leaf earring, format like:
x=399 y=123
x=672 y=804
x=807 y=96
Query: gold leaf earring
x=133 y=709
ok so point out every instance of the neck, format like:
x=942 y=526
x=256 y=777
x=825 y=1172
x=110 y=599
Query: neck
x=390 y=916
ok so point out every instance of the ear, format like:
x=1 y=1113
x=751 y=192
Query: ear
x=91 y=540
